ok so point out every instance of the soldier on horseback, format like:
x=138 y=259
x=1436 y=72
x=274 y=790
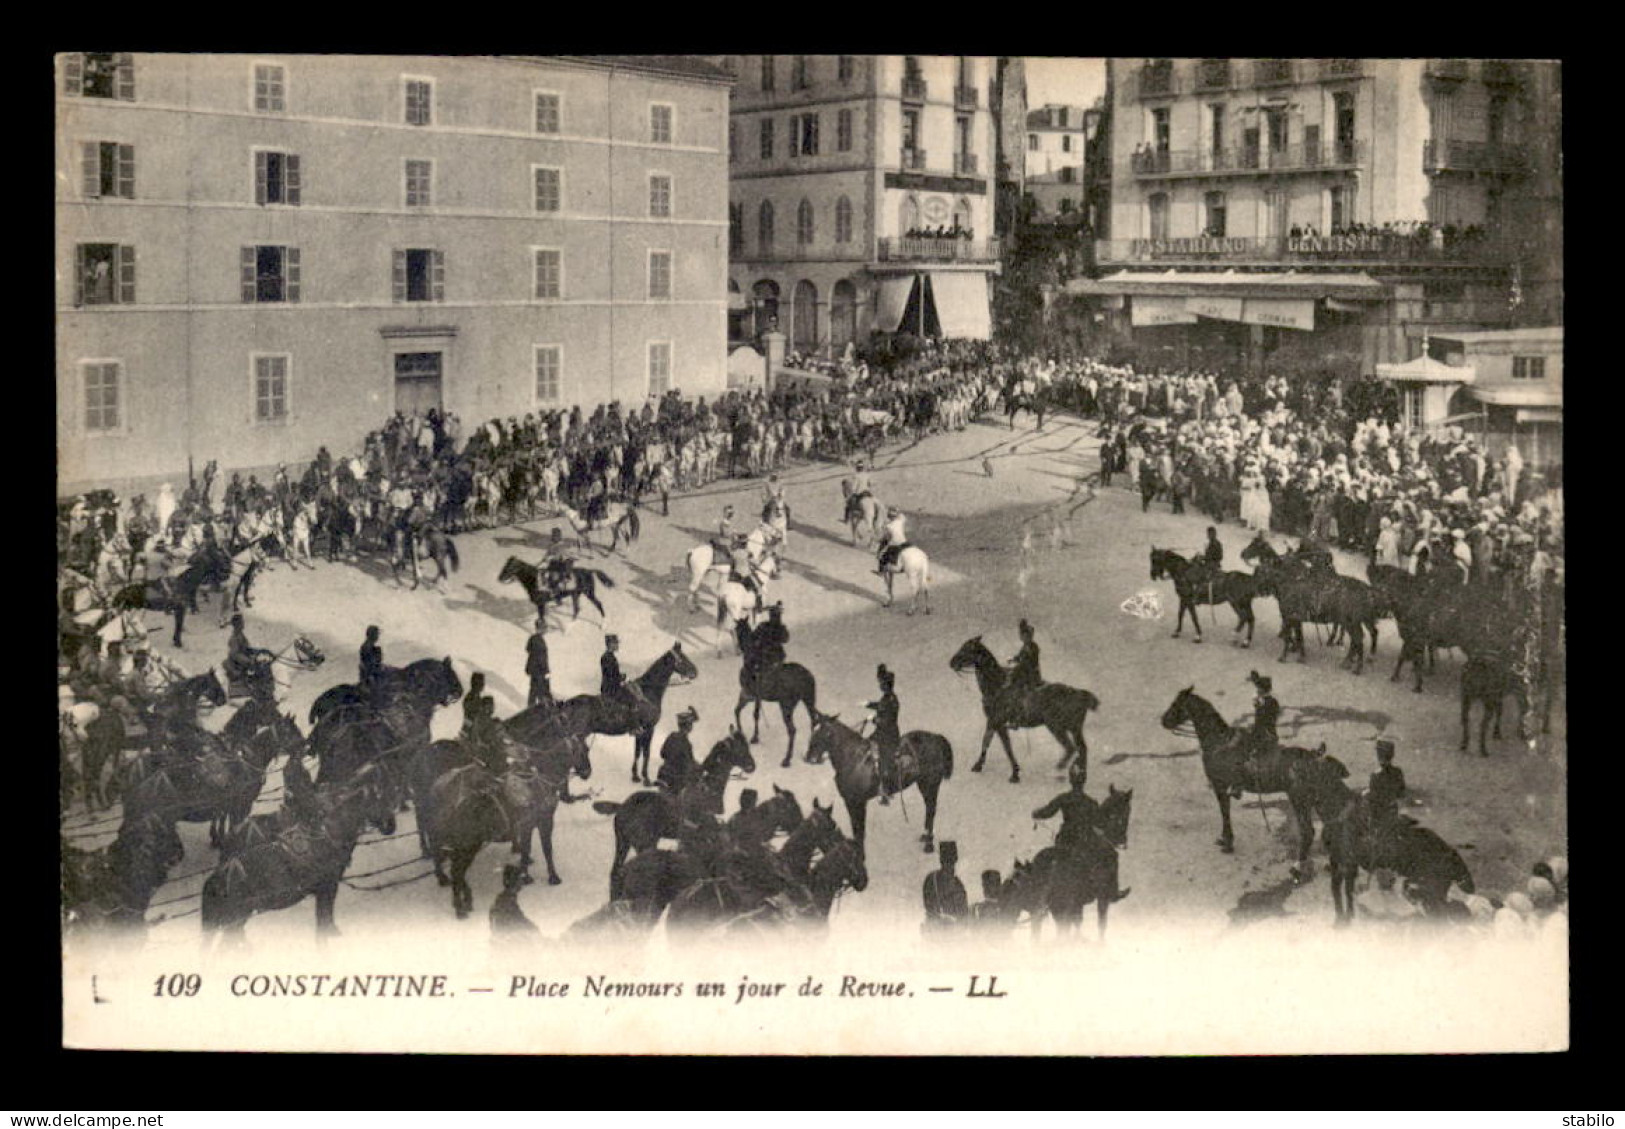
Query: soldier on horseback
x=893 y=541
x=1261 y=741
x=1386 y=788
x=557 y=563
x=860 y=491
x=1080 y=820
x=480 y=731
x=246 y=665
x=372 y=663
x=677 y=764
x=887 y=735
x=1025 y=675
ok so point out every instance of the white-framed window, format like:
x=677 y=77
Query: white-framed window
x=659 y=368
x=417 y=96
x=660 y=195
x=103 y=274
x=843 y=220
x=1529 y=368
x=843 y=131
x=104 y=74
x=107 y=169
x=549 y=184
x=270 y=375
x=419 y=181
x=270 y=88
x=269 y=273
x=549 y=267
x=661 y=115
x=549 y=366
x=102 y=379
x=549 y=111
x=659 y=274
x=418 y=275
x=276 y=177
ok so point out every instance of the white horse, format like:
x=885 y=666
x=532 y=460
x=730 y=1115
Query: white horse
x=736 y=602
x=704 y=559
x=913 y=563
x=304 y=520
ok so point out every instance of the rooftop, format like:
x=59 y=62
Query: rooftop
x=672 y=66
x=1528 y=335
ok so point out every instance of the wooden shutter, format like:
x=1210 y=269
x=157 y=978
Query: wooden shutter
x=126 y=274
x=91 y=168
x=247 y=262
x=125 y=88
x=79 y=274
x=126 y=171
x=399 y=277
x=73 y=73
x=439 y=276
x=290 y=265
x=290 y=173
x=262 y=177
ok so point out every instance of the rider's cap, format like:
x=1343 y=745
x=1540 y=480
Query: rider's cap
x=372 y=630
x=1025 y=628
x=948 y=851
x=608 y=639
x=776 y=609
x=689 y=715
x=1260 y=680
x=237 y=620
x=1385 y=748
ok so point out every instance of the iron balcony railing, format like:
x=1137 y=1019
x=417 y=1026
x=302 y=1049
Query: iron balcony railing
x=965 y=97
x=1305 y=156
x=1156 y=79
x=914 y=89
x=913 y=158
x=1272 y=72
x=1342 y=68
x=1377 y=247
x=1212 y=74
x=1473 y=156
x=965 y=164
x=941 y=250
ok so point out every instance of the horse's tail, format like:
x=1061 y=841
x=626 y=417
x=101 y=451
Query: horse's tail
x=635 y=523
x=601 y=576
x=606 y=807
x=1090 y=702
x=947 y=758
x=451 y=554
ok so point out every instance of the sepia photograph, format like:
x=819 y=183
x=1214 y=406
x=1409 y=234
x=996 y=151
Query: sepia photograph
x=810 y=554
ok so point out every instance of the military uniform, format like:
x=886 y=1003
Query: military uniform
x=372 y=666
x=611 y=680
x=946 y=904
x=677 y=764
x=480 y=732
x=1079 y=816
x=887 y=736
x=767 y=646
x=537 y=670
x=1386 y=789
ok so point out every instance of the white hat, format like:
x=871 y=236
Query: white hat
x=1541 y=892
x=1519 y=902
x=1560 y=867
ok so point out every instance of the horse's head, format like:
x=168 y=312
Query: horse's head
x=820 y=826
x=842 y=865
x=210 y=689
x=784 y=808
x=509 y=571
x=733 y=751
x=1179 y=711
x=448 y=687
x=970 y=656
x=1114 y=815
x=580 y=755
x=1160 y=563
x=310 y=655
x=377 y=791
x=681 y=664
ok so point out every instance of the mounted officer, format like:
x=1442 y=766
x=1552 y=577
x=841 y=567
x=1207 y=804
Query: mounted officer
x=767 y=648
x=556 y=564
x=1260 y=742
x=677 y=764
x=372 y=664
x=480 y=730
x=1080 y=813
x=1025 y=676
x=887 y=736
x=245 y=664
x=893 y=541
x=1386 y=789
x=859 y=483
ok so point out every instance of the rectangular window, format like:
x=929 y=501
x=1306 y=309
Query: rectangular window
x=798 y=74
x=270 y=388
x=660 y=274
x=270 y=274
x=549 y=365
x=659 y=367
x=276 y=178
x=104 y=274
x=660 y=124
x=100 y=75
x=767 y=73
x=549 y=190
x=911 y=129
x=844 y=68
x=843 y=131
x=419 y=174
x=1161 y=129
x=108 y=169
x=1216 y=130
x=1032 y=142
x=1529 y=368
x=767 y=139
x=419 y=101
x=101 y=395
x=660 y=196
x=270 y=88
x=1214 y=205
x=547 y=112
x=419 y=275
x=1066 y=143
x=549 y=273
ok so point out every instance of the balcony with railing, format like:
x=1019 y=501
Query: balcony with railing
x=1272 y=72
x=907 y=250
x=1305 y=157
x=1473 y=157
x=1342 y=68
x=913 y=88
x=1374 y=248
x=1212 y=74
x=965 y=97
x=1157 y=79
x=913 y=159
x=1449 y=70
x=964 y=164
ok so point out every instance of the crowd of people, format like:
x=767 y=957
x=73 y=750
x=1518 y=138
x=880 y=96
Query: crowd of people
x=951 y=231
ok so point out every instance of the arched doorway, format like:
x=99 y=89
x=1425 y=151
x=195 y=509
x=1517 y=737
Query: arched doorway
x=765 y=297
x=843 y=315
x=806 y=317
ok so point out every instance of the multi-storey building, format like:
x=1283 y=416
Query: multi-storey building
x=860 y=195
x=1010 y=141
x=258 y=255
x=1335 y=211
x=1056 y=142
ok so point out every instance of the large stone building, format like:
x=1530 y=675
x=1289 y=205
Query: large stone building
x=1056 y=143
x=1293 y=213
x=861 y=196
x=257 y=255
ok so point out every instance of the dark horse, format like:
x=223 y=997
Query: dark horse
x=1411 y=851
x=1060 y=881
x=1196 y=584
x=429 y=679
x=350 y=734
x=924 y=760
x=541 y=595
x=1307 y=594
x=644 y=818
x=1059 y=708
x=179 y=595
x=635 y=709
x=1436 y=610
x=791 y=685
x=111 y=889
x=1488 y=678
x=1224 y=760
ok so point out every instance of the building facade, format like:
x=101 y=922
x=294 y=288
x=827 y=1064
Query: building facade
x=1294 y=212
x=257 y=256
x=1056 y=143
x=860 y=196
